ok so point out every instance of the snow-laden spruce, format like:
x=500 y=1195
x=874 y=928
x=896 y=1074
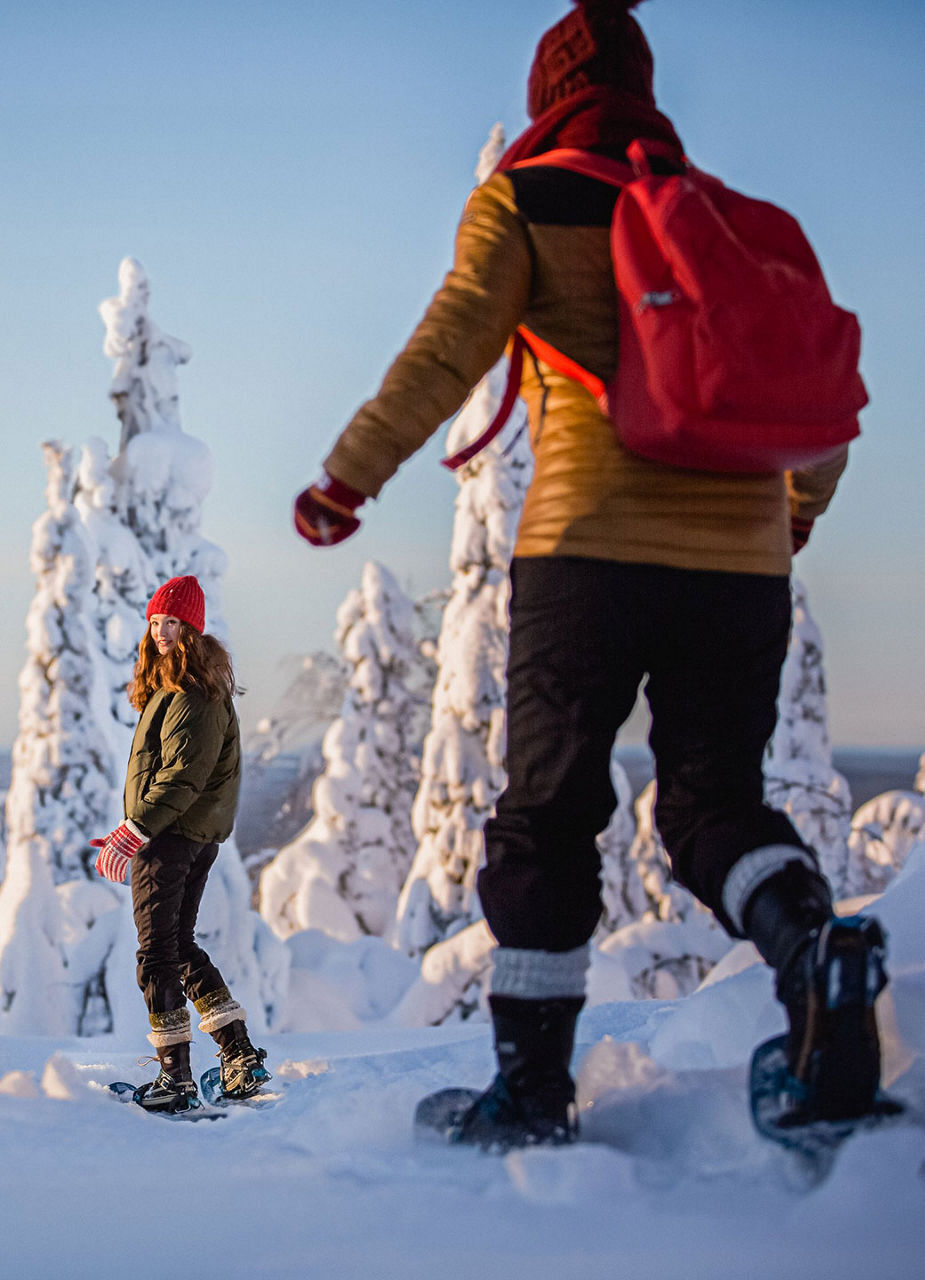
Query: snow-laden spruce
x=883 y=832
x=463 y=765
x=666 y=941
x=115 y=528
x=343 y=873
x=799 y=776
x=462 y=772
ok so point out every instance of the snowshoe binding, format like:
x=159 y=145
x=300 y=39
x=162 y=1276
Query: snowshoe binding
x=239 y=1077
x=812 y=1088
x=167 y=1094
x=174 y=1091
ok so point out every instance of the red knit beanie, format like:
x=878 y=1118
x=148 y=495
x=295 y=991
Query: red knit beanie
x=599 y=43
x=180 y=598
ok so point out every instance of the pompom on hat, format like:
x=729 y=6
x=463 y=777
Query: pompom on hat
x=180 y=598
x=598 y=43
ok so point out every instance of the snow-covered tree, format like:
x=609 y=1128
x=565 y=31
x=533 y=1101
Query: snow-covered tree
x=799 y=774
x=63 y=772
x=144 y=385
x=665 y=939
x=883 y=831
x=463 y=764
x=114 y=529
x=162 y=475
x=344 y=872
x=622 y=892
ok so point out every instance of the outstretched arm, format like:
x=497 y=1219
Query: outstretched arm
x=462 y=334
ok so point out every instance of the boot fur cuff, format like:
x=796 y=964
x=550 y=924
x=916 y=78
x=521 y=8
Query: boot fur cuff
x=169 y=1028
x=218 y=1009
x=752 y=870
x=540 y=975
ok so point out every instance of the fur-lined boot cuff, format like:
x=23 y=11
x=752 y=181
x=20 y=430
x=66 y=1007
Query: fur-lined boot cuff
x=217 y=1009
x=169 y=1028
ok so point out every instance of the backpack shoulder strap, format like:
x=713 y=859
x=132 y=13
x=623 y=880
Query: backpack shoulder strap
x=508 y=400
x=591 y=165
x=587 y=162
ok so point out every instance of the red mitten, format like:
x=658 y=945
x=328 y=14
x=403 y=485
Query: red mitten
x=800 y=529
x=325 y=512
x=117 y=849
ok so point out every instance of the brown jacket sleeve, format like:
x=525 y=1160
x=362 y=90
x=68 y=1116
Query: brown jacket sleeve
x=463 y=333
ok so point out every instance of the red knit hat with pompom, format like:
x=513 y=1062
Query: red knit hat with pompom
x=598 y=43
x=180 y=598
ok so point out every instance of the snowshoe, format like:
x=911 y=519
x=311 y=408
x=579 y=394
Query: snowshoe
x=780 y=1111
x=813 y=1088
x=438 y=1116
x=498 y=1120
x=172 y=1101
x=239 y=1077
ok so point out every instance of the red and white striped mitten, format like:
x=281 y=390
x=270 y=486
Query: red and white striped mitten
x=117 y=849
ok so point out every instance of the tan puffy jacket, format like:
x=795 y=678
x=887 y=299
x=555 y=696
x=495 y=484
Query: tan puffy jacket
x=533 y=248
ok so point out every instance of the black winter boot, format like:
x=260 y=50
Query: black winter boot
x=829 y=991
x=531 y=1101
x=830 y=971
x=242 y=1069
x=174 y=1089
x=786 y=912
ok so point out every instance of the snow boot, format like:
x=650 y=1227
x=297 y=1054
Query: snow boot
x=829 y=973
x=532 y=1098
x=174 y=1089
x=241 y=1065
x=833 y=1047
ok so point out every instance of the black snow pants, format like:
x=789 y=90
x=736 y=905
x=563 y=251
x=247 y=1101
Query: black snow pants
x=584 y=634
x=168 y=879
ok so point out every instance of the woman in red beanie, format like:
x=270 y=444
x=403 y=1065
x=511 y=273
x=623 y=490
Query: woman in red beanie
x=181 y=792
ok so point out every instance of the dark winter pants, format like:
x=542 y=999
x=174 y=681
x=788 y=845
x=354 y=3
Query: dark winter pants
x=168 y=879
x=584 y=634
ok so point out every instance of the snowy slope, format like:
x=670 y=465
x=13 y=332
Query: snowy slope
x=670 y=1183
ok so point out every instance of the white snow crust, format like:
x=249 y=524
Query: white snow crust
x=670 y=1181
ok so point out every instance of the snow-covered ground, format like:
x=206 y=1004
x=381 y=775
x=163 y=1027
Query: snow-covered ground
x=670 y=1181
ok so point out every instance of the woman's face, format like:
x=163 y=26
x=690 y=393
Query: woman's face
x=165 y=632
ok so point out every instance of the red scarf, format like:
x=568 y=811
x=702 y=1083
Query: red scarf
x=595 y=119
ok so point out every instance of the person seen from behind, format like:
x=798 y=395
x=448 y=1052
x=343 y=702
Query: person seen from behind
x=624 y=570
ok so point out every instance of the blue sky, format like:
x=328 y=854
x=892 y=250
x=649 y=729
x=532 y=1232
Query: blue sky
x=290 y=174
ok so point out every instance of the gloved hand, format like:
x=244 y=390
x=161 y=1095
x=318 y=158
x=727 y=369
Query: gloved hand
x=800 y=529
x=324 y=512
x=117 y=849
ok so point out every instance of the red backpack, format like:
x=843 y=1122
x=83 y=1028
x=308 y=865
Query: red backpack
x=733 y=356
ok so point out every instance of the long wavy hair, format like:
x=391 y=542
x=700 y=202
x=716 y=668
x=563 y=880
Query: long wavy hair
x=196 y=662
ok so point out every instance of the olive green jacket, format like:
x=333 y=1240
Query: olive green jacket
x=184 y=771
x=589 y=495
